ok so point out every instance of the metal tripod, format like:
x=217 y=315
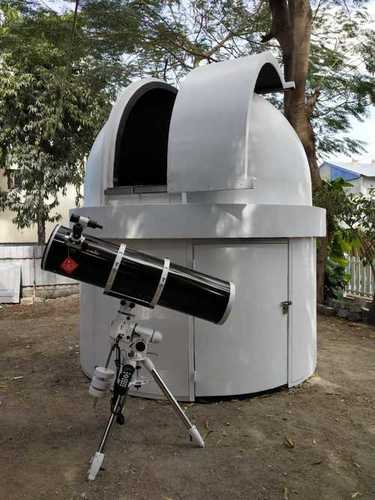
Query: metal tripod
x=130 y=343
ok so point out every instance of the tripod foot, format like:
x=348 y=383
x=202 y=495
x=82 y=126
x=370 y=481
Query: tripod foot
x=196 y=437
x=96 y=464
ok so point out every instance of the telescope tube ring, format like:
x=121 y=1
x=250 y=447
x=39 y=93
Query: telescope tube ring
x=115 y=268
x=163 y=279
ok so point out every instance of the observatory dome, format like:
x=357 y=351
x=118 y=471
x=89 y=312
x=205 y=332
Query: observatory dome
x=213 y=177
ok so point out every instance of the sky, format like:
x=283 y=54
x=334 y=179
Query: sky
x=364 y=131
x=57 y=5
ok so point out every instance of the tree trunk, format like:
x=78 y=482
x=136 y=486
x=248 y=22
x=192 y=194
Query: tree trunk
x=41 y=232
x=291 y=26
x=295 y=101
x=41 y=218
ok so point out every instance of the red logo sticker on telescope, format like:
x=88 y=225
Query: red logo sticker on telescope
x=69 y=265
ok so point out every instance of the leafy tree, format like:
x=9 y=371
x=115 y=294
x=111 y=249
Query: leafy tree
x=325 y=48
x=54 y=96
x=340 y=82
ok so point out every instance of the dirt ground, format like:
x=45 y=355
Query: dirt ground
x=314 y=442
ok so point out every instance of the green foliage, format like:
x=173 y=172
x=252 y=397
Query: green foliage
x=342 y=244
x=54 y=97
x=173 y=37
x=333 y=197
x=340 y=75
x=360 y=221
x=350 y=230
x=336 y=279
x=359 y=217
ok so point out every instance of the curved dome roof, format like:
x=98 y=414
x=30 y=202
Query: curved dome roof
x=216 y=135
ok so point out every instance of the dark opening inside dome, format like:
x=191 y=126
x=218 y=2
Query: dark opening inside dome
x=142 y=138
x=268 y=80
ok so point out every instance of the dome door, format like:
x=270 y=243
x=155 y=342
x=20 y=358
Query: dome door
x=257 y=322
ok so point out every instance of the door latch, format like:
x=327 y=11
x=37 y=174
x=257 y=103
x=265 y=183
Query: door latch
x=285 y=306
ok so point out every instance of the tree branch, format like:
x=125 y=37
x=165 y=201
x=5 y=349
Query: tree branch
x=219 y=45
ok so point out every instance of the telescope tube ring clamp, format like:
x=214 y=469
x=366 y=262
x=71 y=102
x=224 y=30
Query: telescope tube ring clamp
x=115 y=268
x=162 y=281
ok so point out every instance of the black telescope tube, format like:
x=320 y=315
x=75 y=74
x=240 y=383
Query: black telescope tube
x=136 y=276
x=196 y=294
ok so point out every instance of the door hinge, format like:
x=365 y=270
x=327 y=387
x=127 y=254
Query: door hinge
x=285 y=306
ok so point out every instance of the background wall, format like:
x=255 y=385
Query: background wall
x=9 y=233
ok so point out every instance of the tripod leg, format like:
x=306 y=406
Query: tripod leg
x=121 y=387
x=97 y=459
x=193 y=431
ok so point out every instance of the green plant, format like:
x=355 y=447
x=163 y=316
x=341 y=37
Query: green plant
x=359 y=218
x=331 y=195
x=336 y=279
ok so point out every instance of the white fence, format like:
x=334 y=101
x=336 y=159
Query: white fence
x=26 y=258
x=361 y=278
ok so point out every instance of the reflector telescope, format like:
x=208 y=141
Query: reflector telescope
x=143 y=279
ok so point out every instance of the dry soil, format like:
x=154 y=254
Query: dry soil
x=314 y=442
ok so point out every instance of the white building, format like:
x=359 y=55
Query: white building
x=360 y=175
